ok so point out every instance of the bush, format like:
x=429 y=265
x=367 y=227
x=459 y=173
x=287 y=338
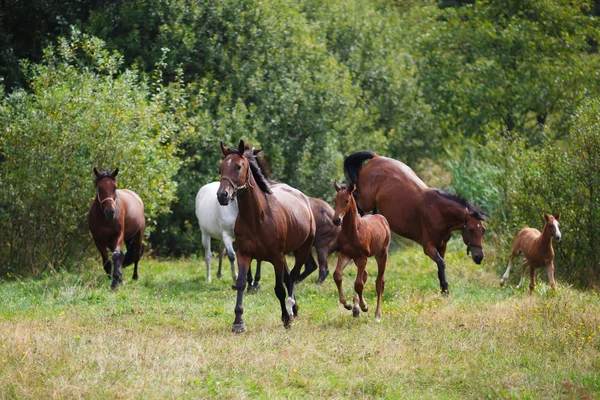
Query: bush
x=81 y=113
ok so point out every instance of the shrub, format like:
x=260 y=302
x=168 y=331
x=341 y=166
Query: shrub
x=81 y=113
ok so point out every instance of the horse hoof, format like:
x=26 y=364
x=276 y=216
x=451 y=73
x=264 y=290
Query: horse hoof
x=502 y=281
x=135 y=277
x=320 y=281
x=348 y=306
x=366 y=309
x=355 y=312
x=219 y=275
x=445 y=293
x=239 y=328
x=378 y=319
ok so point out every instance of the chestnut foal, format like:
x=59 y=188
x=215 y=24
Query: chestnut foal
x=537 y=251
x=359 y=239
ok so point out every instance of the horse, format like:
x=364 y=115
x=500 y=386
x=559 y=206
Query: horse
x=537 y=251
x=414 y=211
x=216 y=222
x=116 y=217
x=359 y=239
x=273 y=220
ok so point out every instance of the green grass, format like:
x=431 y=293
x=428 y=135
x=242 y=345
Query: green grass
x=169 y=335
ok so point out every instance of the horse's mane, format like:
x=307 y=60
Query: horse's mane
x=258 y=171
x=474 y=210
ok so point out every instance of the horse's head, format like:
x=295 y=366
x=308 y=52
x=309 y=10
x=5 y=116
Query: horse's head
x=106 y=187
x=472 y=233
x=235 y=172
x=343 y=201
x=552 y=225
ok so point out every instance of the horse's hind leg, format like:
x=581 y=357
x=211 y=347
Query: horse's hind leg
x=207 y=254
x=228 y=241
x=137 y=248
x=309 y=266
x=343 y=260
x=507 y=272
x=359 y=286
x=381 y=258
x=524 y=265
x=253 y=284
x=281 y=275
x=300 y=255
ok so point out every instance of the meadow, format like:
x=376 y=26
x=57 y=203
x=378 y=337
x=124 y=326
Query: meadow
x=168 y=335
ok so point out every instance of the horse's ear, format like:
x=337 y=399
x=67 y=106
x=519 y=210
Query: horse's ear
x=115 y=172
x=255 y=152
x=241 y=146
x=336 y=186
x=351 y=188
x=96 y=172
x=557 y=216
x=224 y=150
x=546 y=216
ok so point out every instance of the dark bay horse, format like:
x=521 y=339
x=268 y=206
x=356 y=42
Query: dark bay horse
x=537 y=251
x=359 y=239
x=116 y=217
x=273 y=220
x=413 y=210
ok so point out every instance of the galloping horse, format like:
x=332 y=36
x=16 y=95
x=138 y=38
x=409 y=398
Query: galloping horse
x=217 y=222
x=537 y=251
x=413 y=210
x=359 y=239
x=272 y=222
x=116 y=216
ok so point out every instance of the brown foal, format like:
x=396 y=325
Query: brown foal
x=537 y=251
x=359 y=239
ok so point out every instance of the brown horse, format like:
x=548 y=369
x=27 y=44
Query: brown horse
x=359 y=239
x=413 y=210
x=116 y=217
x=537 y=251
x=272 y=222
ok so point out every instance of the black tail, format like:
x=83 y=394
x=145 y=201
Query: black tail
x=353 y=163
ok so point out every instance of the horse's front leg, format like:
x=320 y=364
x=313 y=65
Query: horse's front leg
x=432 y=252
x=343 y=260
x=243 y=264
x=359 y=286
x=550 y=270
x=105 y=259
x=117 y=264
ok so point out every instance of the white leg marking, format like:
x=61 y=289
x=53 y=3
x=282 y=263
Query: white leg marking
x=289 y=303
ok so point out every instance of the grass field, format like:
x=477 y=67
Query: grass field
x=168 y=335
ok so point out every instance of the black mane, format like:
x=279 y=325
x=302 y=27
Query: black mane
x=474 y=210
x=257 y=171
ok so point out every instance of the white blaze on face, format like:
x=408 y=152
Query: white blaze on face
x=558 y=234
x=229 y=162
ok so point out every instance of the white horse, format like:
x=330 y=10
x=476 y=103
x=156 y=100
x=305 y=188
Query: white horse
x=216 y=221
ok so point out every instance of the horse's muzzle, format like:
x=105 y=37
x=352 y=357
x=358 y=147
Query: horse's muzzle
x=337 y=221
x=109 y=214
x=223 y=198
x=477 y=258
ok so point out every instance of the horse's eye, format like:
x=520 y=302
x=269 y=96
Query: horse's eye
x=471 y=230
x=238 y=167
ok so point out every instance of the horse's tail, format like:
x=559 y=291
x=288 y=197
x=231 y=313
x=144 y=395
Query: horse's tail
x=353 y=164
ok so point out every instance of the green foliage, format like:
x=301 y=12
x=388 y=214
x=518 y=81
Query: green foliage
x=516 y=64
x=81 y=113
